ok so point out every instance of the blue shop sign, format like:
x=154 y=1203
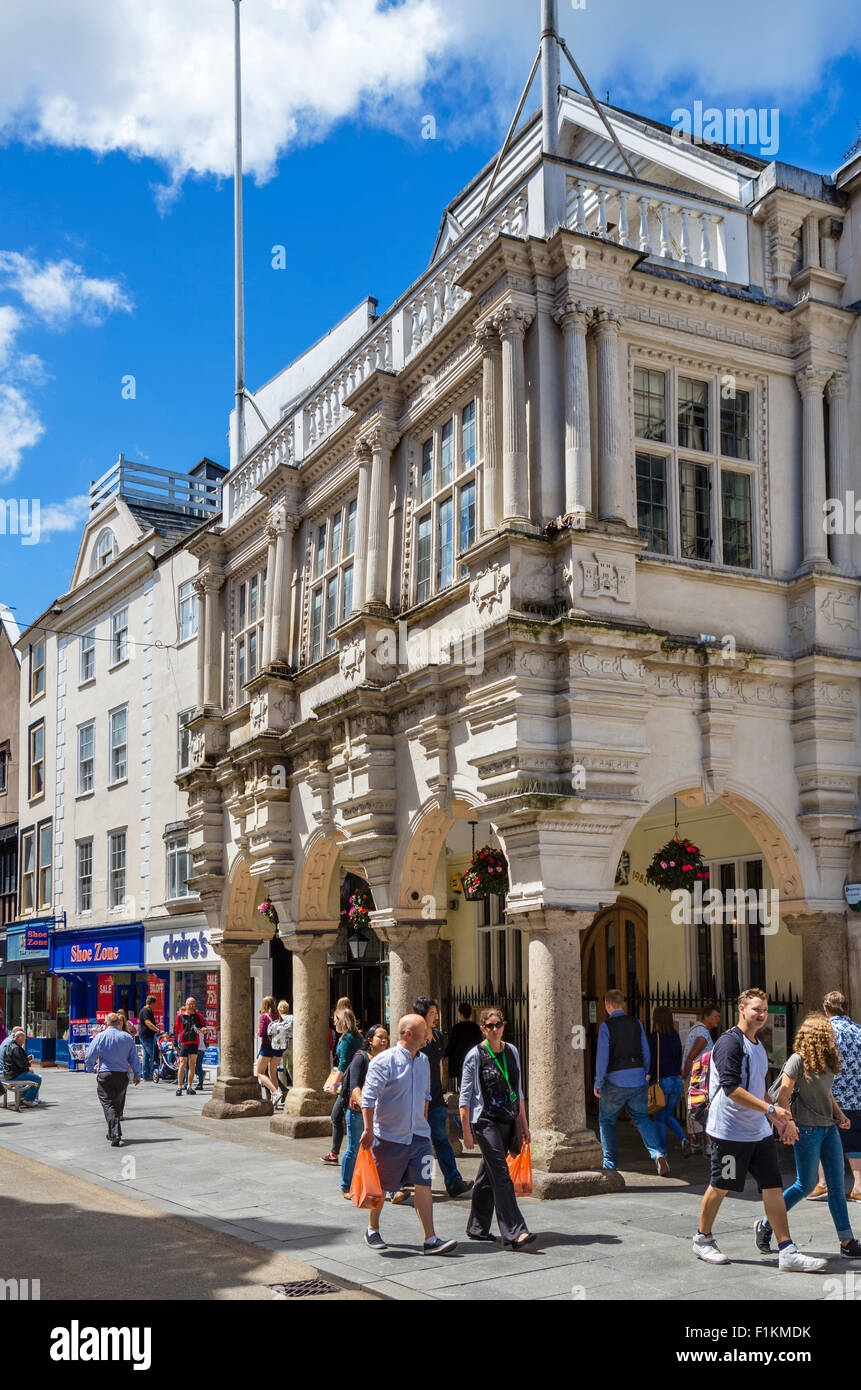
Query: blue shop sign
x=29 y=941
x=102 y=951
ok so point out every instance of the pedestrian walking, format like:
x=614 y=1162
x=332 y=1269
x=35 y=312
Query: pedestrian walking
x=149 y=1031
x=17 y=1065
x=268 y=1057
x=699 y=1040
x=493 y=1112
x=739 y=1123
x=281 y=1037
x=113 y=1052
x=377 y=1039
x=847 y=1088
x=464 y=1036
x=349 y=1043
x=189 y=1035
x=621 y=1065
x=805 y=1087
x=125 y=1025
x=665 y=1070
x=395 y=1100
x=434 y=1050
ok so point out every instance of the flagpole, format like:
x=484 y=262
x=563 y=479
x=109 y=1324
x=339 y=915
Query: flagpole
x=239 y=281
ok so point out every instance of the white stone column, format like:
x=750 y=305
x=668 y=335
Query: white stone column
x=200 y=591
x=271 y=590
x=491 y=430
x=381 y=441
x=811 y=384
x=841 y=474
x=611 y=414
x=236 y=1092
x=561 y=1139
x=573 y=319
x=363 y=455
x=307 y=1107
x=212 y=585
x=282 y=584
x=512 y=324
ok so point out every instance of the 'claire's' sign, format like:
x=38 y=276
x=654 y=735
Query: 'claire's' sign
x=184 y=947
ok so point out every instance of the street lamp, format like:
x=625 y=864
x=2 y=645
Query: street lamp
x=358 y=943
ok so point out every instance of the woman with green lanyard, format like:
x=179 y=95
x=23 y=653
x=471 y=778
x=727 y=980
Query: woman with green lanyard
x=493 y=1112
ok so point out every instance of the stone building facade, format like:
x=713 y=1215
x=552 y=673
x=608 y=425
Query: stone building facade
x=544 y=548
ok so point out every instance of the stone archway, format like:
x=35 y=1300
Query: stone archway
x=315 y=886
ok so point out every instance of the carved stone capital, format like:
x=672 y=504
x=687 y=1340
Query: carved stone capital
x=553 y=920
x=838 y=387
x=382 y=438
x=815 y=923
x=811 y=381
x=487 y=338
x=312 y=936
x=606 y=322
x=512 y=321
x=573 y=316
x=363 y=451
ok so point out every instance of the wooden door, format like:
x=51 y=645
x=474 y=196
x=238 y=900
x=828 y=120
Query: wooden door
x=614 y=955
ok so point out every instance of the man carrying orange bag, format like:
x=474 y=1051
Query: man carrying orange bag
x=395 y=1099
x=365 y=1189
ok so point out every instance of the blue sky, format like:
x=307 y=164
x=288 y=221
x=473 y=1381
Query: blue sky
x=350 y=188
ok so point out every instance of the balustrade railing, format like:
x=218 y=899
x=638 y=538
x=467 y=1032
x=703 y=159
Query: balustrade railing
x=683 y=230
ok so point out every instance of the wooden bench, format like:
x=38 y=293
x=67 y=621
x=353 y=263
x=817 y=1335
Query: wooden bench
x=18 y=1088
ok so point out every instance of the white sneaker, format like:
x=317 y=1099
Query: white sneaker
x=792 y=1258
x=705 y=1248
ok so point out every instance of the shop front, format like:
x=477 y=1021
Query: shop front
x=10 y=990
x=181 y=964
x=43 y=1002
x=101 y=971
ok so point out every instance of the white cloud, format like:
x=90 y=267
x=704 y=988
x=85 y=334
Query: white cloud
x=64 y=516
x=155 y=79
x=55 y=294
x=20 y=428
x=59 y=291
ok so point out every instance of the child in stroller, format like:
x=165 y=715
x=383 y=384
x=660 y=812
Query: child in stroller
x=167 y=1067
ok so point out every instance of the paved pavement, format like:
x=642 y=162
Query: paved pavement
x=238 y=1179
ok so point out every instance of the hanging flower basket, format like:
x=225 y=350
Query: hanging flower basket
x=356 y=913
x=267 y=909
x=487 y=874
x=678 y=865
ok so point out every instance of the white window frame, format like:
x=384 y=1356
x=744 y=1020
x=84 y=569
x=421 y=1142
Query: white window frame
x=83 y=790
x=4 y=771
x=188 y=612
x=505 y=939
x=34 y=762
x=711 y=459
x=183 y=736
x=441 y=492
x=244 y=631
x=115 y=903
x=45 y=865
x=28 y=876
x=85 y=652
x=330 y=565
x=102 y=557
x=37 y=672
x=113 y=747
x=176 y=849
x=716 y=928
x=119 y=630
x=81 y=908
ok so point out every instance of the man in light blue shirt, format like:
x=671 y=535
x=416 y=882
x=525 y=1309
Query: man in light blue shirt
x=112 y=1051
x=395 y=1100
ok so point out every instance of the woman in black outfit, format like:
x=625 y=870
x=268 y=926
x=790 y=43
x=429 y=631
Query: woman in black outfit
x=491 y=1104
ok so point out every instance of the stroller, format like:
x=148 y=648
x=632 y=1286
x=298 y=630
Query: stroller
x=166 y=1069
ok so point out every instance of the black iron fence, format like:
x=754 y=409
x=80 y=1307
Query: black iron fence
x=515 y=1010
x=784 y=1008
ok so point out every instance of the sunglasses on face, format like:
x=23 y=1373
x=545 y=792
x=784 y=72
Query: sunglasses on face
x=498 y=1024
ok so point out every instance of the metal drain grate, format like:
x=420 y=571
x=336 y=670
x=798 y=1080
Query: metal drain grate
x=303 y=1288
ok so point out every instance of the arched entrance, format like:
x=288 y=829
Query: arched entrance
x=614 y=955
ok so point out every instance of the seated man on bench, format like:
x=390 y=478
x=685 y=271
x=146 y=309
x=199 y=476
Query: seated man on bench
x=16 y=1065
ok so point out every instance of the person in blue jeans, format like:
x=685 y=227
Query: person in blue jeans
x=621 y=1065
x=16 y=1065
x=665 y=1051
x=377 y=1039
x=434 y=1050
x=806 y=1086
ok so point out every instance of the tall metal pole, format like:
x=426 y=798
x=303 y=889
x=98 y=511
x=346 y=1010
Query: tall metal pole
x=550 y=76
x=239 y=279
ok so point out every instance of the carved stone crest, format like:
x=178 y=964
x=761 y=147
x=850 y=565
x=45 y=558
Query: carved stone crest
x=841 y=609
x=488 y=588
x=352 y=661
x=606 y=578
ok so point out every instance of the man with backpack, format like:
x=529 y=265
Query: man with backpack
x=622 y=1065
x=739 y=1121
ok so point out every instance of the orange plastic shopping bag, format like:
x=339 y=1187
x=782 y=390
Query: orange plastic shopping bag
x=520 y=1168
x=365 y=1189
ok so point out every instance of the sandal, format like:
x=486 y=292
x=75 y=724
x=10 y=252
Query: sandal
x=330 y=1158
